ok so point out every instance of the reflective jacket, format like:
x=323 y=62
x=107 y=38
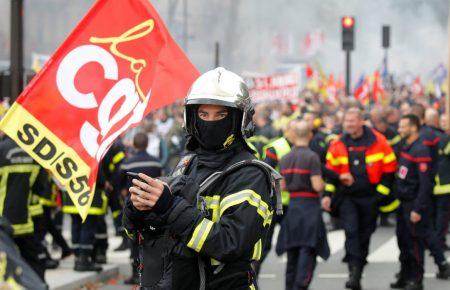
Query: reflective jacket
x=20 y=177
x=226 y=233
x=442 y=179
x=378 y=160
x=273 y=153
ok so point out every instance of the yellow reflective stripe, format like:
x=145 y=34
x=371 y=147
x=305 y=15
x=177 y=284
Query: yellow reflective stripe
x=390 y=207
x=116 y=213
x=213 y=203
x=21 y=229
x=200 y=234
x=281 y=147
x=252 y=198
x=389 y=158
x=330 y=187
x=257 y=249
x=129 y=235
x=374 y=157
x=447 y=149
x=384 y=190
x=252 y=287
x=395 y=140
x=47 y=202
x=342 y=160
x=441 y=189
x=118 y=157
x=214 y=262
x=255 y=151
x=35 y=210
x=285 y=197
x=33 y=169
x=259 y=139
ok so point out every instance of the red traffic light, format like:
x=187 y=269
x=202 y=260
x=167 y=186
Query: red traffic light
x=348 y=21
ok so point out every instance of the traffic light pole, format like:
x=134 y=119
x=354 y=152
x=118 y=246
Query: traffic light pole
x=16 y=53
x=347 y=73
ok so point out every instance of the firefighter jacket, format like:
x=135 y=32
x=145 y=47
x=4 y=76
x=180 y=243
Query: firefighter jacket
x=412 y=179
x=442 y=179
x=228 y=230
x=370 y=160
x=429 y=137
x=20 y=177
x=261 y=138
x=273 y=153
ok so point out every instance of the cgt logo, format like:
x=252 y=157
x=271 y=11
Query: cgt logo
x=97 y=140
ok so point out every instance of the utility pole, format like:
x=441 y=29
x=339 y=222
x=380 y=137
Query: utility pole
x=217 y=54
x=185 y=25
x=16 y=54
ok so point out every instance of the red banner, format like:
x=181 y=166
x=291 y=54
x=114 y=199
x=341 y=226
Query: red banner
x=118 y=64
x=276 y=87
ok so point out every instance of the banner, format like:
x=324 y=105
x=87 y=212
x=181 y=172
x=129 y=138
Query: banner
x=117 y=65
x=275 y=87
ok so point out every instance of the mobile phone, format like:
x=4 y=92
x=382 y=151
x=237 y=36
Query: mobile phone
x=133 y=175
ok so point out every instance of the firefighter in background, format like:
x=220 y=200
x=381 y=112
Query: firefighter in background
x=20 y=177
x=83 y=233
x=111 y=166
x=378 y=119
x=264 y=132
x=430 y=137
x=412 y=187
x=304 y=234
x=273 y=152
x=442 y=180
x=140 y=162
x=366 y=165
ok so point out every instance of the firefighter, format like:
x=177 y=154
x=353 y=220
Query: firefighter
x=21 y=176
x=273 y=153
x=83 y=233
x=378 y=118
x=140 y=162
x=304 y=231
x=365 y=164
x=441 y=191
x=264 y=132
x=412 y=187
x=431 y=138
x=212 y=233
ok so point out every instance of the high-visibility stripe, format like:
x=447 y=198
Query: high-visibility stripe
x=35 y=210
x=257 y=249
x=374 y=157
x=214 y=262
x=22 y=229
x=330 y=187
x=118 y=157
x=341 y=160
x=252 y=287
x=249 y=196
x=200 y=234
x=395 y=140
x=47 y=202
x=384 y=190
x=447 y=149
x=390 y=207
x=116 y=213
x=389 y=158
x=441 y=189
x=213 y=203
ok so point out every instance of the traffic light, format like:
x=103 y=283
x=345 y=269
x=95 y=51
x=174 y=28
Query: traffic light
x=348 y=25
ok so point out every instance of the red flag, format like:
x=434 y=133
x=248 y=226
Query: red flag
x=361 y=93
x=118 y=64
x=377 y=88
x=417 y=87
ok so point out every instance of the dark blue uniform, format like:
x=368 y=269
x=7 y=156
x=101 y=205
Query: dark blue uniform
x=303 y=230
x=413 y=188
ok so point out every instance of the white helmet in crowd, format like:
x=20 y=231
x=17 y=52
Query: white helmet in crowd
x=220 y=87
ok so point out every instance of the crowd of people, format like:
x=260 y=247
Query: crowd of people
x=359 y=163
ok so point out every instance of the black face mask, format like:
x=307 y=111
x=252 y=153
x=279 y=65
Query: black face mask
x=215 y=135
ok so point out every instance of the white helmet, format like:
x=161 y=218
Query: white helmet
x=220 y=87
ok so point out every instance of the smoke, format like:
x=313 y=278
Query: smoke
x=247 y=31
